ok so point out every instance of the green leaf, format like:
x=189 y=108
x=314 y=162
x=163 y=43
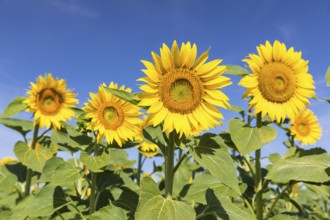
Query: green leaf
x=95 y=163
x=153 y=206
x=7 y=180
x=223 y=208
x=206 y=181
x=327 y=76
x=182 y=176
x=155 y=135
x=73 y=143
x=34 y=159
x=127 y=96
x=312 y=168
x=15 y=107
x=212 y=153
x=249 y=139
x=109 y=212
x=48 y=200
x=284 y=217
x=120 y=157
x=236 y=70
x=22 y=126
x=65 y=174
x=49 y=168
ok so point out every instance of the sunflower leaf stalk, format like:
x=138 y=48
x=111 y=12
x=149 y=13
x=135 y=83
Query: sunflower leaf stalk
x=92 y=199
x=258 y=177
x=169 y=165
x=29 y=171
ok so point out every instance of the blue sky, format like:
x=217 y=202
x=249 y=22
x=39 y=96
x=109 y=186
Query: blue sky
x=89 y=42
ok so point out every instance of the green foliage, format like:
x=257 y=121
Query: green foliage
x=327 y=76
x=7 y=180
x=109 y=212
x=15 y=107
x=95 y=163
x=236 y=70
x=309 y=168
x=153 y=206
x=212 y=153
x=249 y=139
x=22 y=126
x=33 y=158
x=129 y=97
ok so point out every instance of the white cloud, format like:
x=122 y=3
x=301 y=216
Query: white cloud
x=73 y=7
x=287 y=29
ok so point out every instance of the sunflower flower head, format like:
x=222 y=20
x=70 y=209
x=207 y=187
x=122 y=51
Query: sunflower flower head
x=305 y=127
x=182 y=92
x=145 y=147
x=280 y=84
x=50 y=101
x=111 y=117
x=6 y=160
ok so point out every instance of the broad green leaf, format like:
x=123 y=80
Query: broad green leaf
x=95 y=163
x=34 y=159
x=49 y=168
x=236 y=70
x=22 y=126
x=249 y=139
x=48 y=200
x=15 y=107
x=206 y=181
x=7 y=180
x=109 y=212
x=119 y=157
x=127 y=200
x=153 y=206
x=128 y=182
x=65 y=142
x=65 y=174
x=155 y=135
x=128 y=97
x=312 y=168
x=284 y=217
x=19 y=170
x=327 y=76
x=222 y=208
x=182 y=176
x=212 y=153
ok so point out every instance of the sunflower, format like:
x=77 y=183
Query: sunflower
x=6 y=160
x=183 y=92
x=305 y=127
x=280 y=85
x=112 y=118
x=50 y=101
x=145 y=147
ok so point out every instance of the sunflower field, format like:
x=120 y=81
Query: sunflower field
x=196 y=174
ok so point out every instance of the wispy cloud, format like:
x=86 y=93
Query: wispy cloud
x=73 y=7
x=287 y=29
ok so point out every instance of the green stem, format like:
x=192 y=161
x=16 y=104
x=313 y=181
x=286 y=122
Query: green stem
x=138 y=175
x=258 y=180
x=275 y=202
x=29 y=172
x=92 y=199
x=169 y=164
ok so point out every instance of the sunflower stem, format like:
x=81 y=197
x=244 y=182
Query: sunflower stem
x=169 y=165
x=138 y=174
x=29 y=172
x=92 y=199
x=258 y=177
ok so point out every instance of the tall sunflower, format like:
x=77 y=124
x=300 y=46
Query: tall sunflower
x=50 y=101
x=183 y=91
x=305 y=127
x=113 y=118
x=145 y=147
x=280 y=85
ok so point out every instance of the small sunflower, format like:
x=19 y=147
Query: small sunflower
x=113 y=118
x=305 y=127
x=183 y=91
x=280 y=85
x=50 y=101
x=145 y=147
x=6 y=160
